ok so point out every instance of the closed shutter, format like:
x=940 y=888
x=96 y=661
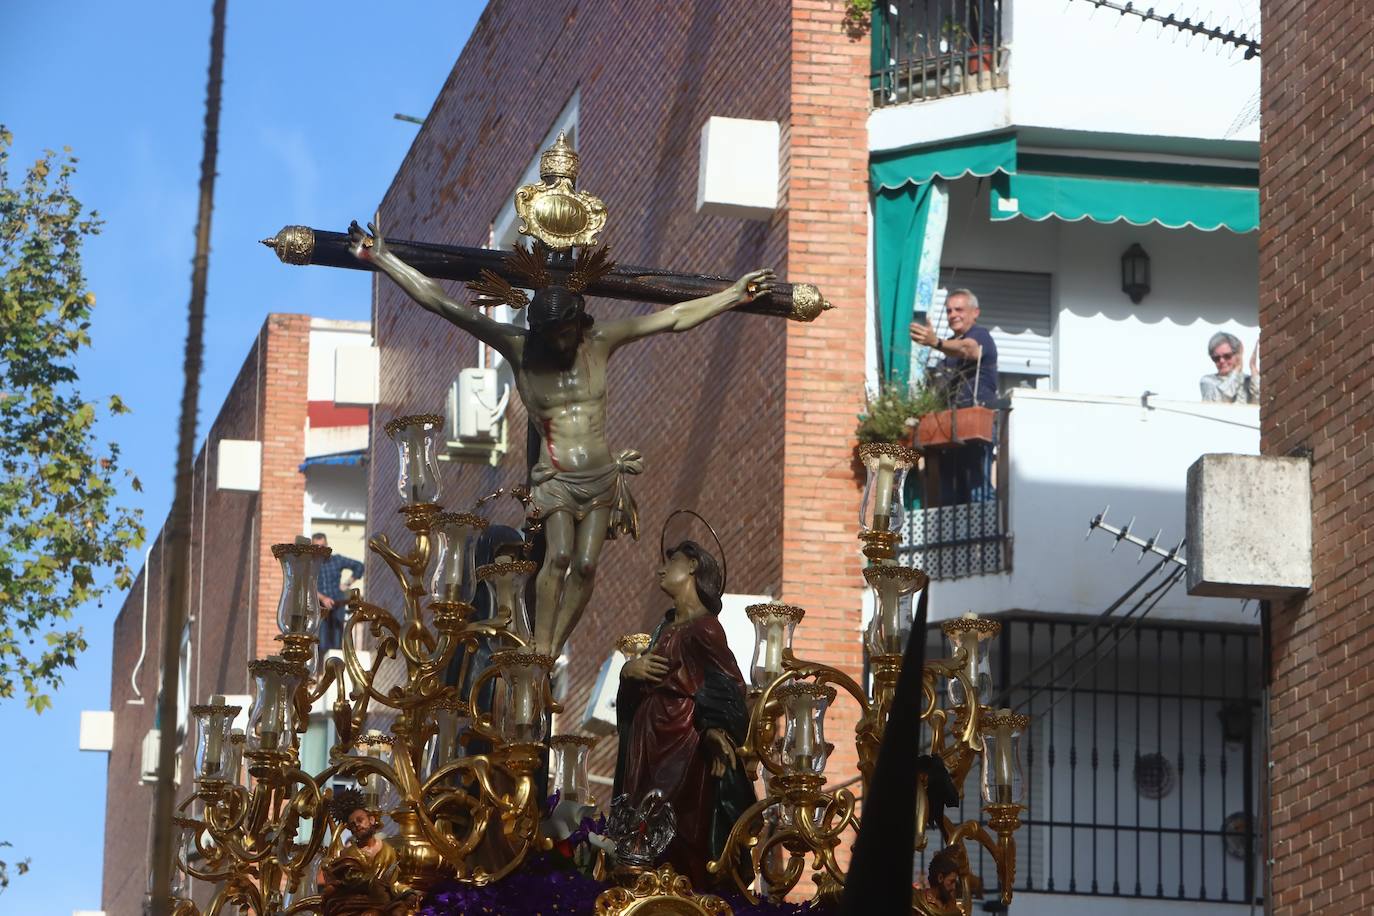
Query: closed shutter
x=1014 y=307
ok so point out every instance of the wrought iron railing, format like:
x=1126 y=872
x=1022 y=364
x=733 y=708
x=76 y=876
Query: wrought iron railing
x=1142 y=763
x=953 y=542
x=951 y=539
x=926 y=49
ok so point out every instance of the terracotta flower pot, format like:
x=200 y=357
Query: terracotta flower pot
x=949 y=428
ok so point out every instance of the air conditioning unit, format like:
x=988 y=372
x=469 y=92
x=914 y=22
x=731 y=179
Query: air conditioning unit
x=599 y=718
x=147 y=771
x=476 y=418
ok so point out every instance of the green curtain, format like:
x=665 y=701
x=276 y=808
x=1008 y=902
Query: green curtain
x=899 y=225
x=902 y=183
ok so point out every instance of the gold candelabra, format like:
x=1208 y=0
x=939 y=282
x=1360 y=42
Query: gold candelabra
x=260 y=829
x=472 y=817
x=798 y=817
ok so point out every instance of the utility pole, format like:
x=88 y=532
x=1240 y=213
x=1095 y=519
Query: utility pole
x=178 y=541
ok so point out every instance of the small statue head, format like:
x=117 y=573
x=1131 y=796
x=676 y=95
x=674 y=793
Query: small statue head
x=349 y=807
x=943 y=875
x=557 y=316
x=689 y=561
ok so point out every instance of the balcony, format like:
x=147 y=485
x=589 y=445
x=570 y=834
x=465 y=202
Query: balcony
x=1062 y=458
x=1142 y=766
x=928 y=49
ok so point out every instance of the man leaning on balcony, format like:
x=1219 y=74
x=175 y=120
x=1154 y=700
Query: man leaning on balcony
x=970 y=371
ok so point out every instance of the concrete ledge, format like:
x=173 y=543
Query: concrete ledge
x=1249 y=526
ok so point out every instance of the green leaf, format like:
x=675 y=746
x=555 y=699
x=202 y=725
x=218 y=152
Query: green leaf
x=64 y=539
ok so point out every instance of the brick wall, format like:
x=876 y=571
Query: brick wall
x=1317 y=331
x=284 y=407
x=232 y=573
x=827 y=241
x=705 y=408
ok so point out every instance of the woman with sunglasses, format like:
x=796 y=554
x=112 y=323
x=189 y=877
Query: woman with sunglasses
x=1229 y=384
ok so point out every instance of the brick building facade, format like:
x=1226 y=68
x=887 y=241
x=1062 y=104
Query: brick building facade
x=234 y=581
x=747 y=420
x=1317 y=322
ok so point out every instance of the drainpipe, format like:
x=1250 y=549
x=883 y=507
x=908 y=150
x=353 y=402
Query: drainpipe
x=143 y=648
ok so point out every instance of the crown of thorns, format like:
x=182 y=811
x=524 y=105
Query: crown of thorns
x=530 y=265
x=345 y=802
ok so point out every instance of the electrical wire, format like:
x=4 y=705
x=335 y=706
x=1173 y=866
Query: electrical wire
x=1158 y=592
x=1092 y=628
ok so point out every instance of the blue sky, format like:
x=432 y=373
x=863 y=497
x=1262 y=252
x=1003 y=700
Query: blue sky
x=306 y=136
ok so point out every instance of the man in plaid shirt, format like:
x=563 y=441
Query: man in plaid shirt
x=332 y=597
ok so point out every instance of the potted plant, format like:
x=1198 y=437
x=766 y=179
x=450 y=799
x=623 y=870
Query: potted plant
x=945 y=427
x=893 y=410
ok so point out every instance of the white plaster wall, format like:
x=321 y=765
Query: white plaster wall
x=326 y=336
x=331 y=440
x=1072 y=67
x=335 y=492
x=1075 y=67
x=1201 y=283
x=1070 y=457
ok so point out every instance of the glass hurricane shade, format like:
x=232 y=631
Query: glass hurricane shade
x=451 y=720
x=234 y=766
x=887 y=464
x=454 y=577
x=298 y=609
x=376 y=745
x=505 y=583
x=570 y=768
x=973 y=635
x=524 y=683
x=1002 y=778
x=417 y=469
x=774 y=625
x=803 y=742
x=214 y=750
x=890 y=626
x=272 y=721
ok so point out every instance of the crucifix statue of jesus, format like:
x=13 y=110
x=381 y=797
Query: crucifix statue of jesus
x=559 y=360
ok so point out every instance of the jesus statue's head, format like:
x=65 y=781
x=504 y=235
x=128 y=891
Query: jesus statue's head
x=557 y=317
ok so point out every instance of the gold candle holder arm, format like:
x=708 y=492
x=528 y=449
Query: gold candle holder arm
x=384 y=629
x=308 y=802
x=312 y=904
x=742 y=839
x=1004 y=820
x=332 y=672
x=780 y=865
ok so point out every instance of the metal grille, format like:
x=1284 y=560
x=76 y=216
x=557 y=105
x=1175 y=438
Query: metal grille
x=951 y=542
x=925 y=49
x=1100 y=718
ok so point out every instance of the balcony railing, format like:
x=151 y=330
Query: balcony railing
x=956 y=536
x=951 y=542
x=1142 y=764
x=928 y=49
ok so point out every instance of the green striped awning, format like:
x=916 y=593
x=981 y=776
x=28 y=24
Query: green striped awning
x=979 y=156
x=1110 y=191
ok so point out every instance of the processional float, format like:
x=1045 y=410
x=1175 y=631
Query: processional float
x=455 y=771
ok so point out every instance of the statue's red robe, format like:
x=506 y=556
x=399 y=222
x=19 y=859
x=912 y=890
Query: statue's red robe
x=662 y=745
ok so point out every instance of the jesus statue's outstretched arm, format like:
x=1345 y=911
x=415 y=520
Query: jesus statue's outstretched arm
x=430 y=295
x=686 y=315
